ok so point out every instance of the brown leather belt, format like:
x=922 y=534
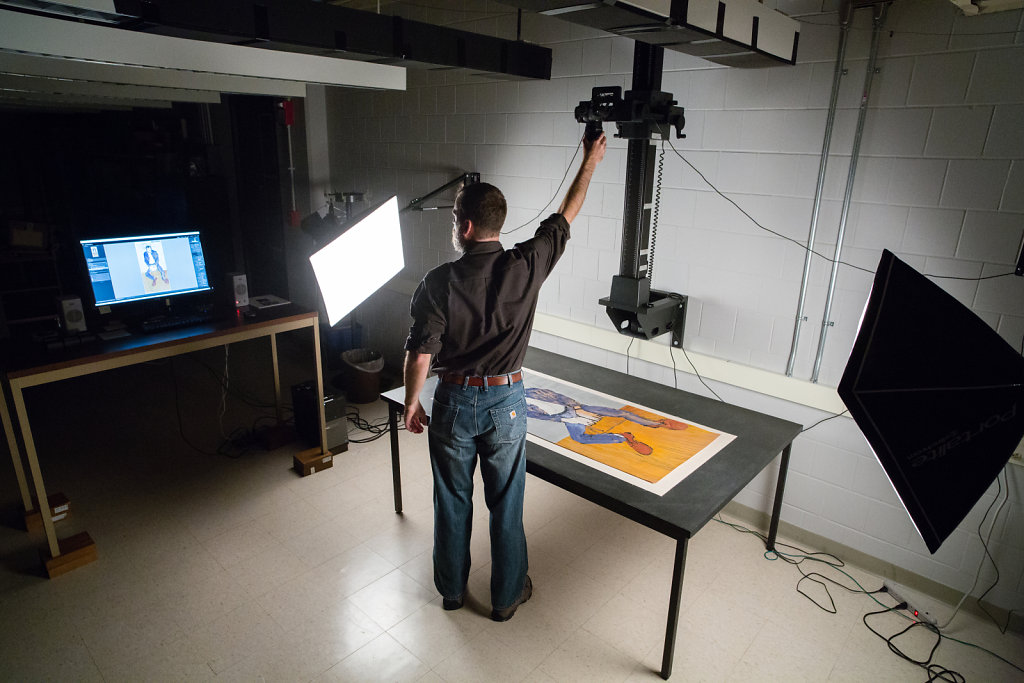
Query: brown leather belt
x=492 y=380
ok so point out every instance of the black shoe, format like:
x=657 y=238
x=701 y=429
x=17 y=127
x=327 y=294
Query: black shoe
x=506 y=614
x=454 y=604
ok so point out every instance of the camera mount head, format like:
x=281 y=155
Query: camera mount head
x=638 y=115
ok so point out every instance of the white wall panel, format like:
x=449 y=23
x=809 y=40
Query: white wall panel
x=958 y=132
x=1006 y=136
x=940 y=79
x=974 y=184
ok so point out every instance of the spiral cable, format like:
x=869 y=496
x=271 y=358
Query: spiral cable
x=654 y=213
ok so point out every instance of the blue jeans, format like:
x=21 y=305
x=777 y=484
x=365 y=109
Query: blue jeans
x=490 y=422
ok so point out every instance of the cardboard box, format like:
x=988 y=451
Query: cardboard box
x=60 y=508
x=312 y=461
x=75 y=551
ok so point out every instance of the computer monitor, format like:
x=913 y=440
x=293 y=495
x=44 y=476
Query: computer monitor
x=125 y=269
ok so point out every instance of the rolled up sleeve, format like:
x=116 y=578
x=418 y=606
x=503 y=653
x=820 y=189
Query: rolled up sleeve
x=428 y=321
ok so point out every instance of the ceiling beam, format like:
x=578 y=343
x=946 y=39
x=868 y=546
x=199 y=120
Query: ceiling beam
x=64 y=86
x=23 y=32
x=174 y=79
x=24 y=97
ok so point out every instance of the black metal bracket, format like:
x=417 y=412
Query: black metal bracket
x=638 y=311
x=464 y=179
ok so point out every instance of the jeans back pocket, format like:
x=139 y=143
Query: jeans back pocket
x=442 y=418
x=510 y=421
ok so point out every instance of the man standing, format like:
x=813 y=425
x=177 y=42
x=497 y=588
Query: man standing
x=474 y=315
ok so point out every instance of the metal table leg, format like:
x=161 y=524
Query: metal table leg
x=396 y=468
x=780 y=488
x=675 y=598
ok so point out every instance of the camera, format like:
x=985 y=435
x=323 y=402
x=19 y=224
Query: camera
x=605 y=104
x=637 y=116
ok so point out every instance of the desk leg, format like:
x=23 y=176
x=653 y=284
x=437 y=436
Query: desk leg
x=780 y=488
x=673 y=608
x=277 y=378
x=396 y=467
x=319 y=388
x=12 y=445
x=33 y=464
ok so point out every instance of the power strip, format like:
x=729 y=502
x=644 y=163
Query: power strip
x=897 y=594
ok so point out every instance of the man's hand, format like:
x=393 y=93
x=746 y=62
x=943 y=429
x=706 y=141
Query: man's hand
x=415 y=417
x=416 y=366
x=593 y=150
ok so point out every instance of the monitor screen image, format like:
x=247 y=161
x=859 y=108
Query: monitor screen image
x=123 y=269
x=359 y=261
x=938 y=394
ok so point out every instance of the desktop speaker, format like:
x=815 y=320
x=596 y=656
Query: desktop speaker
x=239 y=289
x=72 y=314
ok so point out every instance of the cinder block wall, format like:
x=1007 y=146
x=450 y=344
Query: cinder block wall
x=940 y=182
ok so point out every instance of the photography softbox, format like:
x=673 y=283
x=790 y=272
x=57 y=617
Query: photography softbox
x=937 y=393
x=361 y=259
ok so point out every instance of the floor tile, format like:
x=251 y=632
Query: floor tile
x=239 y=569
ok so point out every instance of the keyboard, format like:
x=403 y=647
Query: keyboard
x=171 y=322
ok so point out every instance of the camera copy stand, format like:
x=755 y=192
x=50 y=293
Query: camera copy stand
x=634 y=308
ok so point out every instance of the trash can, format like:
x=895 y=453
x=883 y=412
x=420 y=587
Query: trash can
x=362 y=375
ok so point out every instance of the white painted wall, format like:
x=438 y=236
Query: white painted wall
x=940 y=182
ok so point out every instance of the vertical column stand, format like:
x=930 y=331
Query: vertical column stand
x=648 y=61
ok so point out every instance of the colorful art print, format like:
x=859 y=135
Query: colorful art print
x=632 y=443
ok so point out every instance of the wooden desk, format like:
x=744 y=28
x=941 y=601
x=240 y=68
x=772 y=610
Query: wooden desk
x=687 y=507
x=34 y=369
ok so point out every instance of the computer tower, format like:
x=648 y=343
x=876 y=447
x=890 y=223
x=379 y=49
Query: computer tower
x=307 y=418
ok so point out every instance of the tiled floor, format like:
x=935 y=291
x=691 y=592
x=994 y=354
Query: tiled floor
x=238 y=569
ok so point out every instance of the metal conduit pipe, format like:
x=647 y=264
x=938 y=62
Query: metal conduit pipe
x=845 y=16
x=826 y=321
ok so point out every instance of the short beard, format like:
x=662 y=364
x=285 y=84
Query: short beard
x=458 y=241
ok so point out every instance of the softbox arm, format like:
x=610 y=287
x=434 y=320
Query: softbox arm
x=464 y=179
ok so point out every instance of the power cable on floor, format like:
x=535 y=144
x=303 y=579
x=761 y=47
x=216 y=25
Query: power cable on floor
x=935 y=672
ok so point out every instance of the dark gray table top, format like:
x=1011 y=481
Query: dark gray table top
x=688 y=506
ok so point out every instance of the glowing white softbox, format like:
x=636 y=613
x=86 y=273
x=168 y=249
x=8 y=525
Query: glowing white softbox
x=359 y=261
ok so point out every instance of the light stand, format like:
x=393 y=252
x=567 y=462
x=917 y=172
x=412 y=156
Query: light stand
x=633 y=307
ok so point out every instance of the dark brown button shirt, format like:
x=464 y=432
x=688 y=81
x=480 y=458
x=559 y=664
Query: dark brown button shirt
x=475 y=314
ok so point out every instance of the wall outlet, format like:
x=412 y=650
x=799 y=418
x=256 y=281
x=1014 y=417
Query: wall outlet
x=1018 y=454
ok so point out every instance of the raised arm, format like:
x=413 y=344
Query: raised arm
x=593 y=152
